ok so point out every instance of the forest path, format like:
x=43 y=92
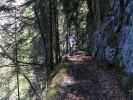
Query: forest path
x=85 y=81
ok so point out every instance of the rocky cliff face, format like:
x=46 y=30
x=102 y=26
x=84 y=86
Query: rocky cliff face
x=127 y=45
x=114 y=35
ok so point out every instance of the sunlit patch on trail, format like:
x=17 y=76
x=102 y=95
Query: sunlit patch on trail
x=68 y=80
x=78 y=57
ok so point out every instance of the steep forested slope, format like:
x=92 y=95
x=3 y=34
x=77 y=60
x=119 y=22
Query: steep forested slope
x=37 y=35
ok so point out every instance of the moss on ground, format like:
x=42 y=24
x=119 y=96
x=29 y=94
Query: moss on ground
x=54 y=81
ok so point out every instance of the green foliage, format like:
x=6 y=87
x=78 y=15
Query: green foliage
x=28 y=12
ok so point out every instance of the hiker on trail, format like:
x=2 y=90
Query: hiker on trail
x=72 y=40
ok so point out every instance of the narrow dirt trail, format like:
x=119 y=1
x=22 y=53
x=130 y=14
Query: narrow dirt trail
x=85 y=81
